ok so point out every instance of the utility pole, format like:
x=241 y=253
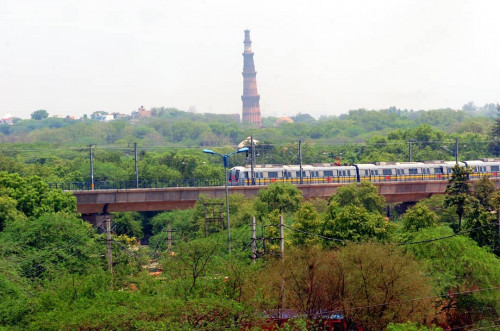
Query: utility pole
x=282 y=238
x=91 y=168
x=498 y=228
x=409 y=142
x=110 y=255
x=282 y=251
x=456 y=150
x=169 y=237
x=300 y=162
x=254 y=241
x=252 y=156
x=136 y=169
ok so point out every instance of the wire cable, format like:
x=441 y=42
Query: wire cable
x=397 y=244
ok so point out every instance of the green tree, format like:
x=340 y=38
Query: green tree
x=33 y=196
x=495 y=133
x=353 y=223
x=39 y=114
x=282 y=197
x=483 y=189
x=8 y=211
x=458 y=264
x=49 y=245
x=306 y=219
x=128 y=224
x=358 y=281
x=364 y=194
x=482 y=225
x=458 y=190
x=192 y=260
x=418 y=217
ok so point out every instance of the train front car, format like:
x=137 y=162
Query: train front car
x=237 y=175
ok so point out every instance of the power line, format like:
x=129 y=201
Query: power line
x=317 y=235
x=481 y=328
x=404 y=301
x=397 y=244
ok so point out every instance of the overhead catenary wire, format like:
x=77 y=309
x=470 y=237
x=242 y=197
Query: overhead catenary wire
x=331 y=312
x=447 y=295
x=287 y=143
x=480 y=328
x=396 y=244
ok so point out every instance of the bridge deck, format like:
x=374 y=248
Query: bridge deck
x=100 y=201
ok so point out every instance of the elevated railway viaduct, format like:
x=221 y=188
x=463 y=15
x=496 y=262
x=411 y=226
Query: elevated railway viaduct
x=94 y=204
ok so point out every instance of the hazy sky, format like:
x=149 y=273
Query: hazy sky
x=316 y=57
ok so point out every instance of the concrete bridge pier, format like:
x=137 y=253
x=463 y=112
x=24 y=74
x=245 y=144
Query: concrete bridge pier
x=98 y=220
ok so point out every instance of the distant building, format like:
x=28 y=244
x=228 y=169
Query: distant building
x=141 y=112
x=282 y=120
x=247 y=142
x=7 y=120
x=119 y=115
x=250 y=97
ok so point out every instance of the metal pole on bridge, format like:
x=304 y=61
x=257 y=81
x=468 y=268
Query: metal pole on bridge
x=91 y=168
x=300 y=161
x=136 y=169
x=409 y=142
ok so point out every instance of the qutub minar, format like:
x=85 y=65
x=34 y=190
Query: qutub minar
x=250 y=97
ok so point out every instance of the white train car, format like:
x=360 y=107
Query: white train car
x=377 y=172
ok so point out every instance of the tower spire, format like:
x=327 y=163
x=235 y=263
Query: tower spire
x=250 y=97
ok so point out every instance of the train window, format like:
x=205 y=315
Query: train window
x=348 y=172
x=413 y=171
x=438 y=170
x=387 y=171
x=366 y=172
x=246 y=175
x=402 y=171
x=272 y=174
x=298 y=174
x=495 y=168
x=328 y=173
x=237 y=175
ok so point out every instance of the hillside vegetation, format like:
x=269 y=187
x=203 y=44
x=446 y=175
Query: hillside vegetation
x=344 y=261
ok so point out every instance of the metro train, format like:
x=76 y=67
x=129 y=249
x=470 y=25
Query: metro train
x=376 y=172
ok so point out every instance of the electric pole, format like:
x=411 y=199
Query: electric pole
x=409 y=147
x=254 y=241
x=169 y=237
x=282 y=239
x=136 y=169
x=110 y=255
x=252 y=156
x=91 y=168
x=300 y=161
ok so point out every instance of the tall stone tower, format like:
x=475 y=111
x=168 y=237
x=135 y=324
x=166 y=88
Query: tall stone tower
x=250 y=97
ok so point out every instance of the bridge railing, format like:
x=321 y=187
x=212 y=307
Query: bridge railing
x=131 y=184
x=195 y=182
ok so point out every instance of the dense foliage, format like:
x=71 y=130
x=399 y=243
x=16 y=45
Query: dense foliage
x=344 y=259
